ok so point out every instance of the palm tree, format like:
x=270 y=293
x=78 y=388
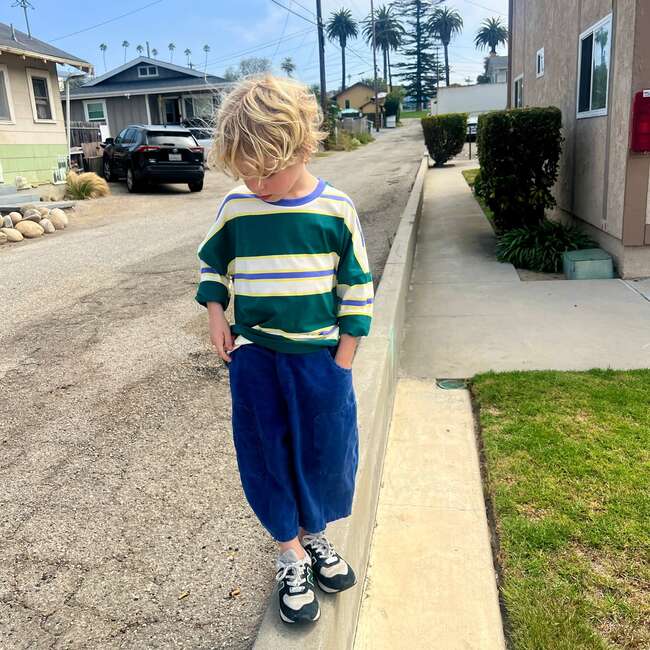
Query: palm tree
x=125 y=45
x=491 y=34
x=171 y=47
x=288 y=66
x=342 y=26
x=154 y=52
x=139 y=49
x=445 y=23
x=188 y=54
x=206 y=49
x=103 y=47
x=388 y=35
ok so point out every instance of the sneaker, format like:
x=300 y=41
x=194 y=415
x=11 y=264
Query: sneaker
x=298 y=602
x=333 y=573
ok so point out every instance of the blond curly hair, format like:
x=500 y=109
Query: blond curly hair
x=265 y=124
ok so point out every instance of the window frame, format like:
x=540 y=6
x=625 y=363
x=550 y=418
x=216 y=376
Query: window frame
x=539 y=58
x=104 y=119
x=4 y=70
x=591 y=31
x=41 y=73
x=514 y=91
x=147 y=67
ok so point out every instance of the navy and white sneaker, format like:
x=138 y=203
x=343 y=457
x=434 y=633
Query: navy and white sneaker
x=333 y=573
x=298 y=602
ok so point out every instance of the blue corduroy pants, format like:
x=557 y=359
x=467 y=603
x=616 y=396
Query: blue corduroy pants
x=294 y=421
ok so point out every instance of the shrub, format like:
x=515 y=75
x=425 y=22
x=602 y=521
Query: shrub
x=519 y=152
x=539 y=246
x=444 y=135
x=364 y=137
x=85 y=186
x=392 y=103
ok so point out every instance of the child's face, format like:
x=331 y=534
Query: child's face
x=278 y=185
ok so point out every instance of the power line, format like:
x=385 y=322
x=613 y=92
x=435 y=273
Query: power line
x=292 y=11
x=284 y=29
x=476 y=4
x=110 y=20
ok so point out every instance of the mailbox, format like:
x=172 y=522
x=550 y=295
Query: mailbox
x=640 y=136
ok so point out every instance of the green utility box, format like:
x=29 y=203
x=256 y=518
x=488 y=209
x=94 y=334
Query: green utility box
x=588 y=264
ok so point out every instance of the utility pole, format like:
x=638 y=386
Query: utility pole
x=374 y=63
x=25 y=4
x=148 y=52
x=321 y=60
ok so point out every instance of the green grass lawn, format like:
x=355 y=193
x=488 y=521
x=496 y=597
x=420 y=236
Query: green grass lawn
x=406 y=115
x=567 y=458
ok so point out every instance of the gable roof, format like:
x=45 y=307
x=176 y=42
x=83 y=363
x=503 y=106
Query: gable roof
x=17 y=42
x=145 y=59
x=359 y=83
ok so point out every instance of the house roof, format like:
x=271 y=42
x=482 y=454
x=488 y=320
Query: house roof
x=359 y=83
x=497 y=62
x=191 y=80
x=17 y=42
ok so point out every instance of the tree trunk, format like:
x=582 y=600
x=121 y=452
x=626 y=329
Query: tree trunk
x=343 y=67
x=446 y=45
x=390 y=74
x=385 y=66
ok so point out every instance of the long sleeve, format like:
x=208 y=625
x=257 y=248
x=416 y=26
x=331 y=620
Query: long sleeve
x=354 y=282
x=214 y=257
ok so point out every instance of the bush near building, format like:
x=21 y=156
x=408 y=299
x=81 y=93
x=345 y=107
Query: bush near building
x=444 y=135
x=519 y=152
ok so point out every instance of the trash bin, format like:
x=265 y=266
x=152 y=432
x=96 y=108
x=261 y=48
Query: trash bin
x=390 y=121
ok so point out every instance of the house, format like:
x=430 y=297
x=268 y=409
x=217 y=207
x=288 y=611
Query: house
x=146 y=91
x=359 y=96
x=496 y=68
x=591 y=59
x=32 y=129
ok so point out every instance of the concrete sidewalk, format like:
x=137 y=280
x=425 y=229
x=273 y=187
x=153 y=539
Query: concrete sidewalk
x=431 y=581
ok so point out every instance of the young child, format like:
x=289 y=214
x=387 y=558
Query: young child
x=289 y=249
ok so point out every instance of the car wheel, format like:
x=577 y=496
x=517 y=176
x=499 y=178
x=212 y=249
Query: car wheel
x=196 y=186
x=108 y=176
x=131 y=183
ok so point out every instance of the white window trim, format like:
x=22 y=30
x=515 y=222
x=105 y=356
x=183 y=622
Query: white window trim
x=38 y=72
x=10 y=101
x=146 y=67
x=598 y=112
x=190 y=96
x=95 y=101
x=514 y=83
x=539 y=56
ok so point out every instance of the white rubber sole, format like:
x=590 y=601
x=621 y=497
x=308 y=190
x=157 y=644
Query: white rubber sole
x=329 y=590
x=288 y=620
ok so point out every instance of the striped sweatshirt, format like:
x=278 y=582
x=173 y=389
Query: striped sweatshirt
x=297 y=269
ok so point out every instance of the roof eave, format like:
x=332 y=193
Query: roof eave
x=151 y=91
x=75 y=63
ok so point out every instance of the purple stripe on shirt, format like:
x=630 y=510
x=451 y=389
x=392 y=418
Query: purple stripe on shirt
x=359 y=303
x=282 y=274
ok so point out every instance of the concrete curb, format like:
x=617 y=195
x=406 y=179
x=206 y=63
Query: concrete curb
x=375 y=380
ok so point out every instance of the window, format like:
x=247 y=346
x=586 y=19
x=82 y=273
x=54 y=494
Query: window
x=130 y=136
x=347 y=103
x=40 y=91
x=96 y=111
x=5 y=96
x=147 y=71
x=593 y=68
x=518 y=90
x=200 y=106
x=539 y=65
x=171 y=139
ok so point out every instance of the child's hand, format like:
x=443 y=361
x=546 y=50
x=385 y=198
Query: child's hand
x=219 y=327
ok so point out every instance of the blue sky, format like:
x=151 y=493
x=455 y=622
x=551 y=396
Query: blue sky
x=233 y=30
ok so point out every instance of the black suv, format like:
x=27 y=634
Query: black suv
x=154 y=154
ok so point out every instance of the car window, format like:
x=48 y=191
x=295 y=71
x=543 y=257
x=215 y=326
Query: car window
x=171 y=139
x=120 y=137
x=129 y=138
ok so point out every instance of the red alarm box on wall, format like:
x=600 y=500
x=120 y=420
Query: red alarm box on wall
x=640 y=136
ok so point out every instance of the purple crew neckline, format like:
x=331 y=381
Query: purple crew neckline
x=301 y=200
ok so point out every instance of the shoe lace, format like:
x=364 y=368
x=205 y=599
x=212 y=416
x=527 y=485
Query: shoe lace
x=292 y=571
x=321 y=545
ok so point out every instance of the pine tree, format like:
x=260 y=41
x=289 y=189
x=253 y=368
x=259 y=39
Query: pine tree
x=420 y=67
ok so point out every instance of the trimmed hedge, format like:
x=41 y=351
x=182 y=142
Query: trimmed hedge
x=444 y=135
x=519 y=152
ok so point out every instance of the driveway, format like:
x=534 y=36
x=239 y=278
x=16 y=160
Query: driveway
x=122 y=520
